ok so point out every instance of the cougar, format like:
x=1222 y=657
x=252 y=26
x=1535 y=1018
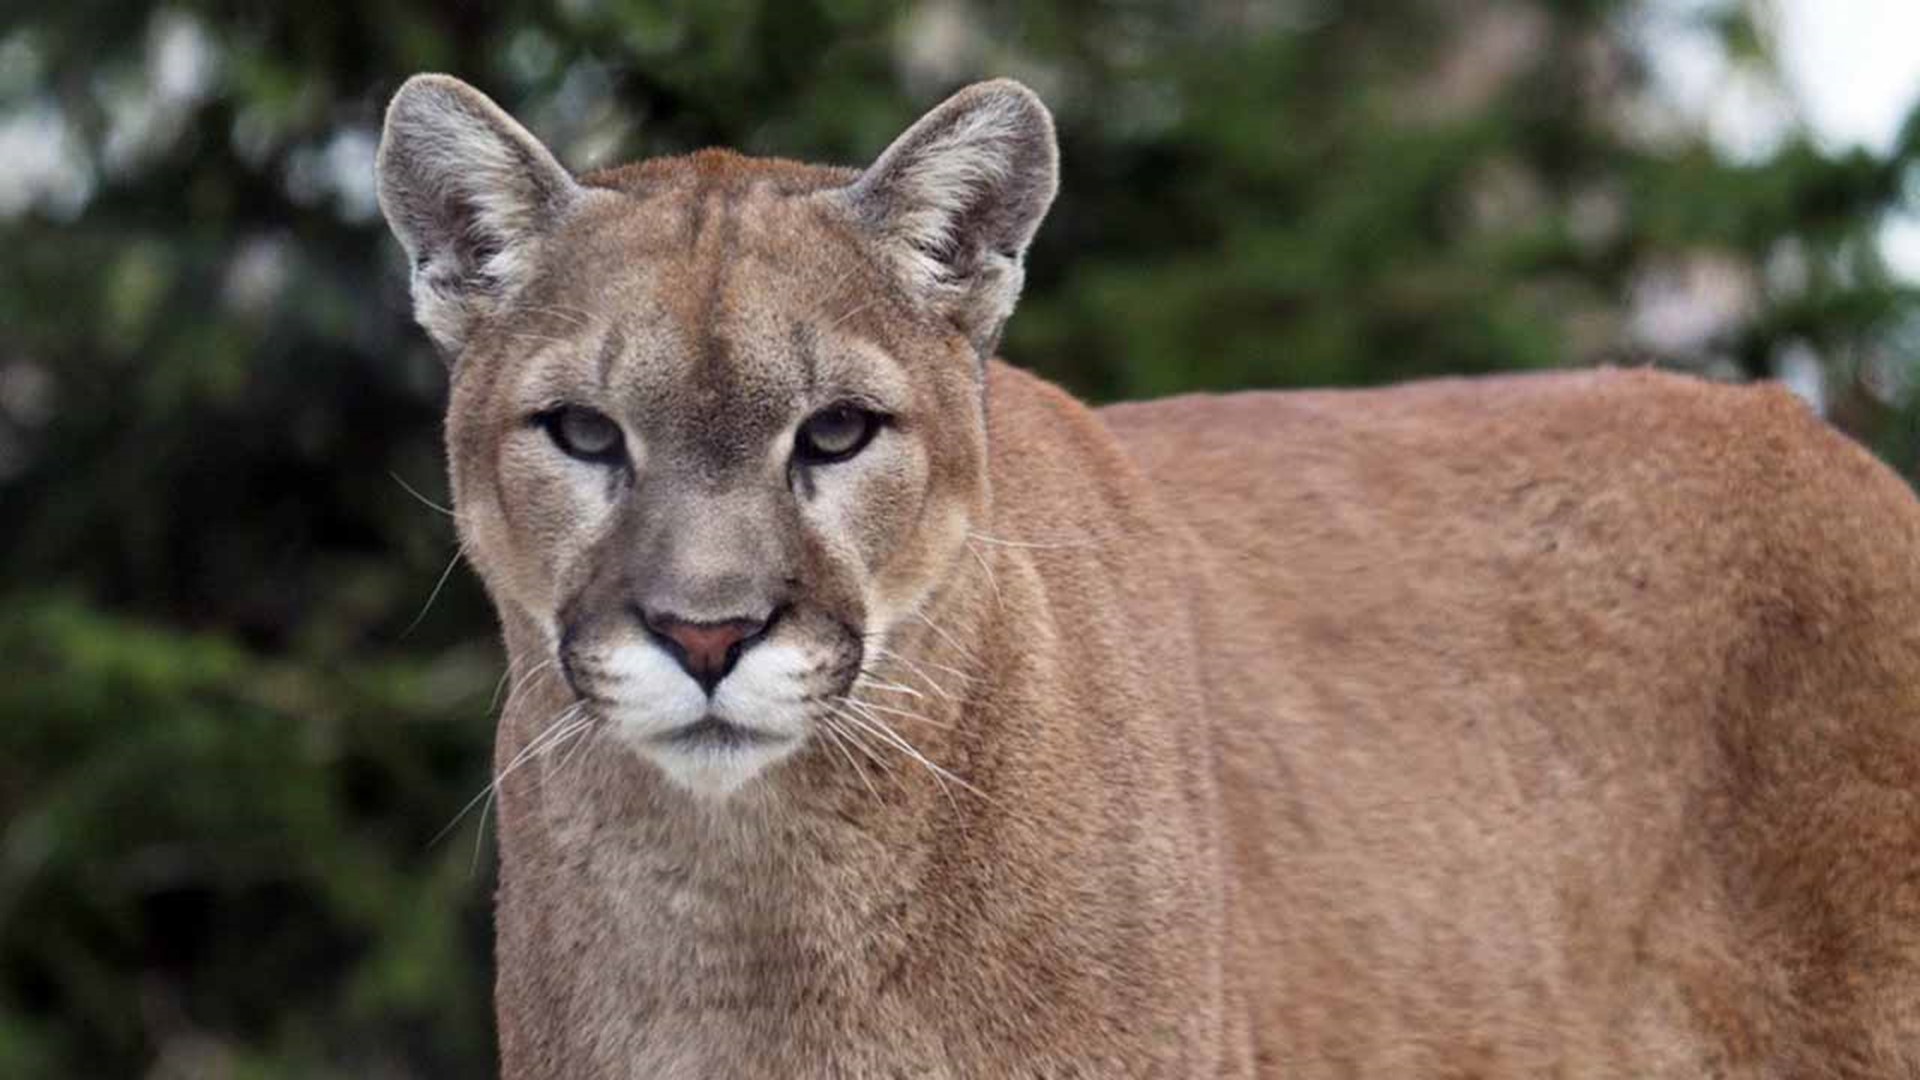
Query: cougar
x=879 y=710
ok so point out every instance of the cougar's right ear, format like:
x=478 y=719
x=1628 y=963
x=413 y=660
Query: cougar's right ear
x=470 y=194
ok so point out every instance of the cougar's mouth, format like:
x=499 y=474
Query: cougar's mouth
x=712 y=731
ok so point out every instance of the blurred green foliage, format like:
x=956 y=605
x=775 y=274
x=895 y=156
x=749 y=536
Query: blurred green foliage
x=225 y=743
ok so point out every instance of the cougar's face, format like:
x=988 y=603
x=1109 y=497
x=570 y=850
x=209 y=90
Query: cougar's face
x=716 y=422
x=709 y=462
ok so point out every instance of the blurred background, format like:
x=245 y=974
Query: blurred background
x=242 y=682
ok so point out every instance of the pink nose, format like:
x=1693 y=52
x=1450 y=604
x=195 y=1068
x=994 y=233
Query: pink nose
x=707 y=650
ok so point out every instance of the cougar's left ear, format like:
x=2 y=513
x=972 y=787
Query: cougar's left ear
x=955 y=201
x=470 y=195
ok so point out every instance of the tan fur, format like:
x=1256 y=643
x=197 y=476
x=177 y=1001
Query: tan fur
x=1562 y=725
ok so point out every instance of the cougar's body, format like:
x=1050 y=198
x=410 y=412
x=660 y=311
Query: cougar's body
x=1563 y=726
x=879 y=710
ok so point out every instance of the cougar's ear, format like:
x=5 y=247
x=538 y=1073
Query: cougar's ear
x=470 y=195
x=955 y=201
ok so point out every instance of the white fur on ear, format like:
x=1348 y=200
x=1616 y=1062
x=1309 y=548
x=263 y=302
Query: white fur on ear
x=469 y=193
x=955 y=201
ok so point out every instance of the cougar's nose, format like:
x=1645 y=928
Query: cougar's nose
x=707 y=650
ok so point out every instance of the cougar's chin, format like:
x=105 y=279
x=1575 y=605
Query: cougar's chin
x=712 y=746
x=715 y=758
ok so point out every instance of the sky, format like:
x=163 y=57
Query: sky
x=1851 y=67
x=1855 y=66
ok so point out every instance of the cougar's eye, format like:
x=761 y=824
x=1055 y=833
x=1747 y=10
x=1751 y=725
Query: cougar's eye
x=585 y=434
x=835 y=433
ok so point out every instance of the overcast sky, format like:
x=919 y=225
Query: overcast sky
x=1855 y=66
x=1852 y=72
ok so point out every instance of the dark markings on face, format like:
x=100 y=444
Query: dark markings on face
x=714 y=259
x=697 y=208
x=611 y=350
x=614 y=482
x=801 y=341
x=508 y=511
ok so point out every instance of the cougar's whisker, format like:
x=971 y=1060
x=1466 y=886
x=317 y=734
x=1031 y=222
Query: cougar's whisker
x=860 y=743
x=577 y=720
x=881 y=650
x=867 y=677
x=838 y=742
x=593 y=731
x=458 y=550
x=546 y=339
x=523 y=681
x=850 y=313
x=564 y=716
x=952 y=642
x=941 y=776
x=421 y=499
x=499 y=688
x=1087 y=541
x=985 y=568
x=918 y=667
x=897 y=712
x=545 y=743
x=575 y=316
x=502 y=687
x=888 y=730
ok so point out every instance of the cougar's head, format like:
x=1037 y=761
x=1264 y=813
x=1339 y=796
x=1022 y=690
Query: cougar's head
x=716 y=422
